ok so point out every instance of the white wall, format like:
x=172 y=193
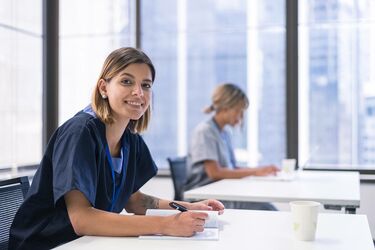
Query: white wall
x=162 y=187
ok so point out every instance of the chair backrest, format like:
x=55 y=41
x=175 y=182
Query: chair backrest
x=177 y=166
x=12 y=194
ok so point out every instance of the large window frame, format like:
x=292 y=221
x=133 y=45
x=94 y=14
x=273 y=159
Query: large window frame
x=51 y=58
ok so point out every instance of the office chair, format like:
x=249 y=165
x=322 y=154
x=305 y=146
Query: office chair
x=12 y=194
x=177 y=166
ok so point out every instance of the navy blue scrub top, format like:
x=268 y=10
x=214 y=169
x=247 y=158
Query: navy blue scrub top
x=76 y=159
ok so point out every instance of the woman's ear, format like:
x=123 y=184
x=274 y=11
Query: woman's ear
x=102 y=86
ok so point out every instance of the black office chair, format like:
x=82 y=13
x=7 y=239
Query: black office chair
x=12 y=194
x=177 y=166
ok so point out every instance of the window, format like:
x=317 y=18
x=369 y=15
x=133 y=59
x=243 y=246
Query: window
x=159 y=40
x=196 y=45
x=337 y=83
x=89 y=31
x=21 y=83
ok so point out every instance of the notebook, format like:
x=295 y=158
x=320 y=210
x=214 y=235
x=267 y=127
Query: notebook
x=280 y=176
x=287 y=172
x=211 y=226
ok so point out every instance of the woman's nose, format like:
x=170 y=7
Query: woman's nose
x=137 y=90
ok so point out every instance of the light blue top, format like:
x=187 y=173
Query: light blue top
x=208 y=142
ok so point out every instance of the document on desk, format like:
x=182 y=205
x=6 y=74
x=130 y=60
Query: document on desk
x=280 y=176
x=211 y=226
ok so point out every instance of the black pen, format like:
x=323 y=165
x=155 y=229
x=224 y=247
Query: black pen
x=177 y=206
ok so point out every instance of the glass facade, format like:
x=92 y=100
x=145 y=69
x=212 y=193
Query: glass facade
x=89 y=31
x=336 y=83
x=159 y=41
x=196 y=45
x=21 y=82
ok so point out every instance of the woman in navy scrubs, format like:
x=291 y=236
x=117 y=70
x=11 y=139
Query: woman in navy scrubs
x=95 y=164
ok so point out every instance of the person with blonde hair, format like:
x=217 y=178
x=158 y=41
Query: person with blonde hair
x=95 y=165
x=211 y=156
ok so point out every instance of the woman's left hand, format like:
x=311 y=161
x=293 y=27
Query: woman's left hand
x=214 y=205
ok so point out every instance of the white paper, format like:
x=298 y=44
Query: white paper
x=207 y=234
x=211 y=222
x=280 y=176
x=211 y=226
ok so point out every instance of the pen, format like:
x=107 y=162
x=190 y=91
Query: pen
x=177 y=206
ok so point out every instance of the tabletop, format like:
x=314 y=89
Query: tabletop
x=327 y=187
x=251 y=229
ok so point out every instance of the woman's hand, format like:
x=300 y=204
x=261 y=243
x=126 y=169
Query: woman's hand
x=267 y=170
x=184 y=223
x=214 y=205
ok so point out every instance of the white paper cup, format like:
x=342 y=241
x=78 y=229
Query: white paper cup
x=305 y=219
x=288 y=165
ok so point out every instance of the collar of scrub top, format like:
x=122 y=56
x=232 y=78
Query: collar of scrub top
x=116 y=190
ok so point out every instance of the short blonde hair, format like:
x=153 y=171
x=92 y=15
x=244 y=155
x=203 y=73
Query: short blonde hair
x=116 y=62
x=226 y=96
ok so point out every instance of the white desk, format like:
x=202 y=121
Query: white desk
x=332 y=189
x=250 y=229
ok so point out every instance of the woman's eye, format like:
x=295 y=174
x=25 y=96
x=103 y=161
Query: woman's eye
x=126 y=82
x=146 y=85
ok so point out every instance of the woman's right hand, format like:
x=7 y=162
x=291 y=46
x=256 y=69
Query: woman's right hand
x=267 y=170
x=184 y=224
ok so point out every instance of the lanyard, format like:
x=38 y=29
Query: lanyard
x=116 y=191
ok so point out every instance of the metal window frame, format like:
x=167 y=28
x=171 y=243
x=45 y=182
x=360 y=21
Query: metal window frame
x=138 y=20
x=50 y=107
x=291 y=79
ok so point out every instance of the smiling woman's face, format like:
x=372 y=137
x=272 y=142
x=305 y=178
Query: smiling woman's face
x=129 y=92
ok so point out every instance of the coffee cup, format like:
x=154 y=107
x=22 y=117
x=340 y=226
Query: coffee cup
x=304 y=219
x=288 y=165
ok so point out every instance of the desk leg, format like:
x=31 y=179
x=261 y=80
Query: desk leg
x=350 y=210
x=332 y=207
